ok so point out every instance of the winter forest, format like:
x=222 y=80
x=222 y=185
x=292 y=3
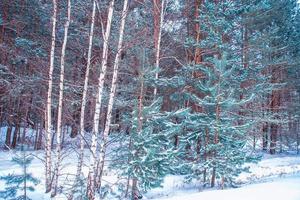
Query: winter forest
x=149 y=99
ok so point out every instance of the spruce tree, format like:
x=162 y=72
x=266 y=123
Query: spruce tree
x=219 y=89
x=149 y=153
x=17 y=185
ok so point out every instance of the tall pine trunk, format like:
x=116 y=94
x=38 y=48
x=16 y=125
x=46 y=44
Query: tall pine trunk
x=135 y=191
x=93 y=158
x=48 y=103
x=60 y=103
x=275 y=102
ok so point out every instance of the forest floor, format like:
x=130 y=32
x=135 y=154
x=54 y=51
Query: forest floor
x=287 y=188
x=274 y=177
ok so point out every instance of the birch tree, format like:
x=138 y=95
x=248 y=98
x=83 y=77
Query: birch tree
x=48 y=103
x=60 y=103
x=93 y=158
x=112 y=95
x=158 y=39
x=83 y=102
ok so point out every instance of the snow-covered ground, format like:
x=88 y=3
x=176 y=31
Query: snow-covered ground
x=275 y=177
x=278 y=189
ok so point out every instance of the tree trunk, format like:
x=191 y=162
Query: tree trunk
x=60 y=103
x=275 y=102
x=197 y=56
x=25 y=125
x=24 y=173
x=112 y=94
x=36 y=136
x=8 y=135
x=83 y=103
x=16 y=133
x=298 y=138
x=93 y=158
x=265 y=136
x=273 y=139
x=135 y=191
x=216 y=139
x=205 y=154
x=213 y=177
x=157 y=33
x=48 y=104
x=40 y=137
x=135 y=194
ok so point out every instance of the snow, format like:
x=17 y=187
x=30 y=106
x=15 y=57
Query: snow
x=270 y=166
x=279 y=189
x=275 y=177
x=278 y=170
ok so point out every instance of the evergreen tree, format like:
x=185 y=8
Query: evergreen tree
x=213 y=142
x=17 y=185
x=149 y=154
x=214 y=137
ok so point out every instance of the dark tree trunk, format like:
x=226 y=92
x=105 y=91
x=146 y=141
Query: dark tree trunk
x=273 y=139
x=8 y=136
x=36 y=137
x=135 y=193
x=298 y=138
x=275 y=103
x=265 y=136
x=15 y=136
x=74 y=130
x=198 y=147
x=205 y=153
x=176 y=142
x=213 y=177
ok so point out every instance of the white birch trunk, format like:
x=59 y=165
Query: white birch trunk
x=83 y=103
x=93 y=158
x=112 y=95
x=48 y=124
x=157 y=56
x=60 y=103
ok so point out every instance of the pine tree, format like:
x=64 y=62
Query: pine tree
x=147 y=154
x=17 y=185
x=213 y=142
x=215 y=138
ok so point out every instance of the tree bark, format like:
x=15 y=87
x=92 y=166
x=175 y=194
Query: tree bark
x=60 y=103
x=298 y=137
x=135 y=191
x=197 y=56
x=265 y=135
x=273 y=138
x=16 y=133
x=48 y=103
x=8 y=135
x=157 y=34
x=112 y=94
x=275 y=102
x=93 y=158
x=83 y=103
